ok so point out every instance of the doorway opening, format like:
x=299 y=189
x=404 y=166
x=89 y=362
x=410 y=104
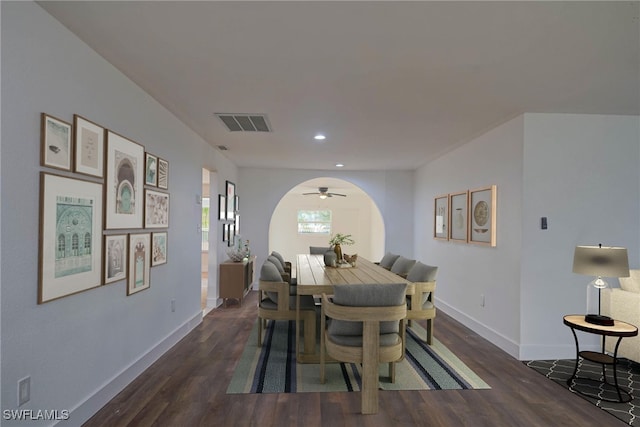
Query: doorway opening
x=209 y=256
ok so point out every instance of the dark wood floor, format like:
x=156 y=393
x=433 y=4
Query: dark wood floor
x=187 y=385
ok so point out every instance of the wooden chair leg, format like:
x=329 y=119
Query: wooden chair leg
x=370 y=348
x=309 y=321
x=260 y=332
x=429 y=331
x=392 y=371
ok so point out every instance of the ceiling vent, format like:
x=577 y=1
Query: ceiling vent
x=245 y=122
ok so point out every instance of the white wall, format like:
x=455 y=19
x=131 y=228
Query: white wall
x=260 y=191
x=81 y=349
x=468 y=271
x=580 y=171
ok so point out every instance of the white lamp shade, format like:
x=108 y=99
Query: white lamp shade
x=601 y=261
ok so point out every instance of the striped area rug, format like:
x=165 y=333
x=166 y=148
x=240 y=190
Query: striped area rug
x=272 y=368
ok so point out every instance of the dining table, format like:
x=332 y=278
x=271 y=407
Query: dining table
x=315 y=278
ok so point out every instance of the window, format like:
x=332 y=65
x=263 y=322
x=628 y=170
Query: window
x=314 y=222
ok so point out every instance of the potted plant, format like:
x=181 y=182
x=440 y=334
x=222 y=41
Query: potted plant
x=338 y=240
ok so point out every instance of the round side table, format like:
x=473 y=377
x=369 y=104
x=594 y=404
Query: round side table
x=620 y=330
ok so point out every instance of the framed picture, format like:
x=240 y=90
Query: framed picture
x=163 y=174
x=55 y=141
x=70 y=253
x=222 y=207
x=150 y=169
x=231 y=193
x=139 y=262
x=232 y=235
x=124 y=184
x=482 y=216
x=156 y=209
x=159 y=248
x=236 y=204
x=115 y=258
x=458 y=216
x=237 y=224
x=441 y=217
x=88 y=141
x=225 y=232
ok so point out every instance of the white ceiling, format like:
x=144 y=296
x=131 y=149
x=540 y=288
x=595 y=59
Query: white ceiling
x=392 y=84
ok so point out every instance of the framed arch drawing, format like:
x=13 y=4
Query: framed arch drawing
x=124 y=199
x=70 y=254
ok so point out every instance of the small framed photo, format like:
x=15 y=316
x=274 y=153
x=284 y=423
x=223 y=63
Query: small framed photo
x=156 y=210
x=232 y=235
x=458 y=217
x=236 y=204
x=89 y=147
x=139 y=262
x=222 y=207
x=55 y=137
x=225 y=232
x=231 y=193
x=115 y=258
x=124 y=198
x=237 y=224
x=482 y=216
x=150 y=170
x=70 y=253
x=159 y=248
x=163 y=174
x=441 y=217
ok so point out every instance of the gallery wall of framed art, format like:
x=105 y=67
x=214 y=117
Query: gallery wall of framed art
x=101 y=195
x=467 y=216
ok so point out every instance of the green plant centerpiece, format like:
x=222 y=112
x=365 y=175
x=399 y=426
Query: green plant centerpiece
x=337 y=241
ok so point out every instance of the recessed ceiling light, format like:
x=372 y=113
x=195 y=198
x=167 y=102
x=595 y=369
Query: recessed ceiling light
x=339 y=165
x=319 y=137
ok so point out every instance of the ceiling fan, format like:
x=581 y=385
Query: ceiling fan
x=324 y=193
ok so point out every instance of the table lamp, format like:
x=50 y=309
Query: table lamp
x=601 y=262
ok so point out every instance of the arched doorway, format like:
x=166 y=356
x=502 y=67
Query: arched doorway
x=300 y=220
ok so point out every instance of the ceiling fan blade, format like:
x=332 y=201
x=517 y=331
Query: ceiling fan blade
x=309 y=194
x=336 y=194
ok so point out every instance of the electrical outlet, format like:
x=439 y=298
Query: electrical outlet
x=24 y=390
x=173 y=305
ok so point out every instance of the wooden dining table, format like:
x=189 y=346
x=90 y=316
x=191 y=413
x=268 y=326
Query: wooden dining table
x=315 y=278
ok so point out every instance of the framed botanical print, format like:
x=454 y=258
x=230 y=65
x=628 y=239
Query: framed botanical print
x=150 y=169
x=232 y=235
x=482 y=216
x=89 y=147
x=163 y=174
x=156 y=210
x=458 y=216
x=124 y=198
x=55 y=142
x=139 y=262
x=441 y=217
x=231 y=193
x=159 y=248
x=70 y=253
x=115 y=258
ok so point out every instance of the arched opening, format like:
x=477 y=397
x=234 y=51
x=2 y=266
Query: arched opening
x=301 y=220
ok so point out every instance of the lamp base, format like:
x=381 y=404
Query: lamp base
x=598 y=319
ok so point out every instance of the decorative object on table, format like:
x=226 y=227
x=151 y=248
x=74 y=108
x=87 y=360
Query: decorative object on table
x=115 y=257
x=337 y=241
x=70 y=256
x=124 y=184
x=55 y=136
x=482 y=216
x=156 y=209
x=89 y=147
x=601 y=262
x=458 y=217
x=330 y=258
x=351 y=259
x=441 y=217
x=240 y=252
x=139 y=262
x=163 y=174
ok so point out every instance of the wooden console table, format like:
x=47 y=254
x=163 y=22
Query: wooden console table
x=235 y=279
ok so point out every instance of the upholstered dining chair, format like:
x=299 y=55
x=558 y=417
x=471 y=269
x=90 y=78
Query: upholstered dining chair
x=286 y=274
x=401 y=266
x=387 y=260
x=420 y=305
x=276 y=303
x=318 y=250
x=366 y=325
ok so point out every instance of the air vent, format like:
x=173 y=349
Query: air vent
x=245 y=122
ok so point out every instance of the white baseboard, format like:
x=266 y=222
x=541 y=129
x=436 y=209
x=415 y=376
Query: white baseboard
x=86 y=409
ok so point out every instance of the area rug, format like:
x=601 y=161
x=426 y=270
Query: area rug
x=628 y=378
x=272 y=368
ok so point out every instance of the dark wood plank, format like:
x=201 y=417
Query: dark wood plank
x=187 y=387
